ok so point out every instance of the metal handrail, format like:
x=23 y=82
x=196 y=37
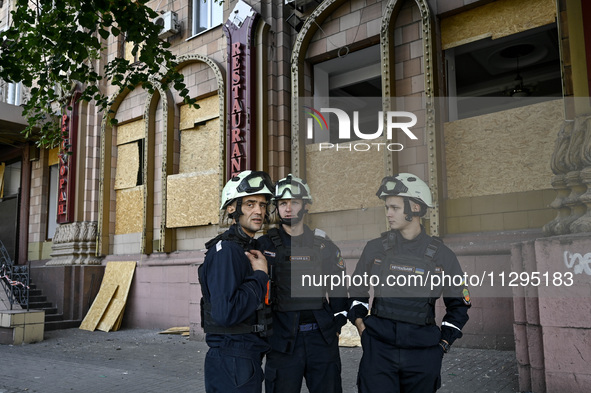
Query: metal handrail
x=14 y=279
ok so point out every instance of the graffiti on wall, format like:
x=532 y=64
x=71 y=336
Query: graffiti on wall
x=579 y=263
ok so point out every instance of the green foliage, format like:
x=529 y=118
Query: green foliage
x=51 y=46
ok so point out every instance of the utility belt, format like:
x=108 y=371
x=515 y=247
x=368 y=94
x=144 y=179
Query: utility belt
x=259 y=323
x=308 y=327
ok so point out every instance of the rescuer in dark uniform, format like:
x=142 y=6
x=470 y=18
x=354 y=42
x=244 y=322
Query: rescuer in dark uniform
x=305 y=324
x=234 y=284
x=402 y=346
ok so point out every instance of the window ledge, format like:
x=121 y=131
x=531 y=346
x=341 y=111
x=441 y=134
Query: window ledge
x=202 y=32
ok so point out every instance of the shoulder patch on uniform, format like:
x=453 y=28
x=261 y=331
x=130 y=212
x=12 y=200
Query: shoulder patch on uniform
x=319 y=232
x=269 y=253
x=466 y=295
x=341 y=263
x=218 y=245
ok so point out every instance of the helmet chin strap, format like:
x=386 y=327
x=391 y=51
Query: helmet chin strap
x=247 y=242
x=241 y=234
x=408 y=211
x=293 y=220
x=238 y=212
x=235 y=215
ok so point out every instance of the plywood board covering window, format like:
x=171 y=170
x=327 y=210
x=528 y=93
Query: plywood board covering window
x=52 y=156
x=128 y=166
x=193 y=199
x=200 y=139
x=193 y=194
x=519 y=142
x=129 y=211
x=130 y=132
x=209 y=108
x=328 y=178
x=497 y=19
x=200 y=148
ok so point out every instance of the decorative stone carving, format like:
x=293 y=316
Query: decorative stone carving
x=75 y=244
x=571 y=164
x=577 y=209
x=557 y=226
x=583 y=223
x=558 y=163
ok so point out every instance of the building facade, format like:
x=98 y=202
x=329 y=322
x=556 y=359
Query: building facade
x=499 y=91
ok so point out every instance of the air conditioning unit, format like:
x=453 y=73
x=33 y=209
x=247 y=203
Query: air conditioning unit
x=170 y=24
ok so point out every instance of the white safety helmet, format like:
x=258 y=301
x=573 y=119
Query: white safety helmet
x=292 y=187
x=246 y=183
x=406 y=185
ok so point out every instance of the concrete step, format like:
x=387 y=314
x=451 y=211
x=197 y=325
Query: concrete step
x=42 y=305
x=21 y=326
x=35 y=292
x=53 y=317
x=62 y=324
x=37 y=298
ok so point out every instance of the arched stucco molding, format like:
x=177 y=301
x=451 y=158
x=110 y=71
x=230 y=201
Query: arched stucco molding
x=298 y=57
x=148 y=168
x=388 y=83
x=303 y=39
x=150 y=107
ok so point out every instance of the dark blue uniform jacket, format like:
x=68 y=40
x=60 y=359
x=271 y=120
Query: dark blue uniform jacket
x=402 y=334
x=234 y=290
x=285 y=324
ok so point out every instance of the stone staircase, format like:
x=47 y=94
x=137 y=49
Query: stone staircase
x=53 y=318
x=17 y=325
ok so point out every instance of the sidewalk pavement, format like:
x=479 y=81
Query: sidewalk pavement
x=143 y=361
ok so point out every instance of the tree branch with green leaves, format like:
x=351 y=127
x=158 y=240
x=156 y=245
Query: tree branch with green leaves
x=53 y=46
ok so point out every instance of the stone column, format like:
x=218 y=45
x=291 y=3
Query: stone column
x=571 y=164
x=75 y=244
x=559 y=168
x=583 y=223
x=557 y=226
x=573 y=201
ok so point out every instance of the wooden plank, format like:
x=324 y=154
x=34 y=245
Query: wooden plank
x=176 y=330
x=120 y=273
x=100 y=304
x=112 y=316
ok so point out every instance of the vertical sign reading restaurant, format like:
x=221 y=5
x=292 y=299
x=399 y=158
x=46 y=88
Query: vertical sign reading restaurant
x=240 y=89
x=66 y=163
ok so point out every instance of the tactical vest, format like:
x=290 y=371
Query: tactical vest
x=259 y=322
x=413 y=302
x=290 y=265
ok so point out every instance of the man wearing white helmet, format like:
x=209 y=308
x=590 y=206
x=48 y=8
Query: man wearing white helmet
x=402 y=345
x=234 y=284
x=305 y=323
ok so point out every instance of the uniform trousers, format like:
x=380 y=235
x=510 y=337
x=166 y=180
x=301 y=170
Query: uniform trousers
x=385 y=368
x=312 y=358
x=233 y=371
